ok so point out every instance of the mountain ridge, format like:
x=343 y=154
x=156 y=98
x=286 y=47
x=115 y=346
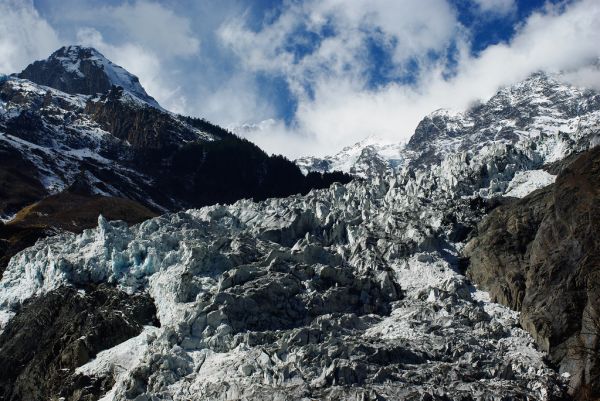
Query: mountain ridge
x=542 y=103
x=117 y=142
x=68 y=135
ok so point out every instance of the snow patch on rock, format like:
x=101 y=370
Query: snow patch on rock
x=120 y=359
x=525 y=182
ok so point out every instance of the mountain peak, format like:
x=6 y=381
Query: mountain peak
x=74 y=52
x=84 y=70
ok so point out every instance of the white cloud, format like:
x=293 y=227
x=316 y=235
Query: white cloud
x=496 y=7
x=335 y=106
x=342 y=111
x=586 y=77
x=24 y=35
x=234 y=101
x=147 y=24
x=153 y=26
x=412 y=30
x=273 y=136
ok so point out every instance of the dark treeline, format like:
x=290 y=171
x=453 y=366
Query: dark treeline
x=229 y=169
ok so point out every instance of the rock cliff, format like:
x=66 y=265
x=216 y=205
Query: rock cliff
x=541 y=256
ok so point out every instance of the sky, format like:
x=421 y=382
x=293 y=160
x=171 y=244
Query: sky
x=308 y=77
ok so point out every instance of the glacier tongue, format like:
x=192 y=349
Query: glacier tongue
x=295 y=298
x=352 y=292
x=344 y=293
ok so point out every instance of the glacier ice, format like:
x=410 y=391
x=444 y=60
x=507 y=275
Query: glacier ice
x=351 y=292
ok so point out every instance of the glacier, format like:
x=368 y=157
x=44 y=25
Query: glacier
x=353 y=292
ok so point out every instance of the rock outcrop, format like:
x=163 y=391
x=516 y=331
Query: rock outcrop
x=85 y=71
x=54 y=334
x=541 y=256
x=18 y=184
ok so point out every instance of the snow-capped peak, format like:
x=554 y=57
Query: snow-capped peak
x=86 y=71
x=372 y=155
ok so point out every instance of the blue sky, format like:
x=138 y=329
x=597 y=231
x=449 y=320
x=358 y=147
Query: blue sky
x=310 y=76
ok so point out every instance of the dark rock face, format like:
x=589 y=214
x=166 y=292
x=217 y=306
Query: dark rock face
x=541 y=256
x=62 y=330
x=141 y=127
x=18 y=184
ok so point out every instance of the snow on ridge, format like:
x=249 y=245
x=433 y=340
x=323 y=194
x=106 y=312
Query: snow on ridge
x=30 y=88
x=68 y=137
x=543 y=98
x=358 y=158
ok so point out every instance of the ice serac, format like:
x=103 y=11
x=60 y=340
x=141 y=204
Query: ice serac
x=349 y=292
x=84 y=70
x=341 y=294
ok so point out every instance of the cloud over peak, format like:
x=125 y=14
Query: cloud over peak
x=342 y=108
x=320 y=74
x=24 y=35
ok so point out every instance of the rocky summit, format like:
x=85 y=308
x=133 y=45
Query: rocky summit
x=84 y=71
x=363 y=291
